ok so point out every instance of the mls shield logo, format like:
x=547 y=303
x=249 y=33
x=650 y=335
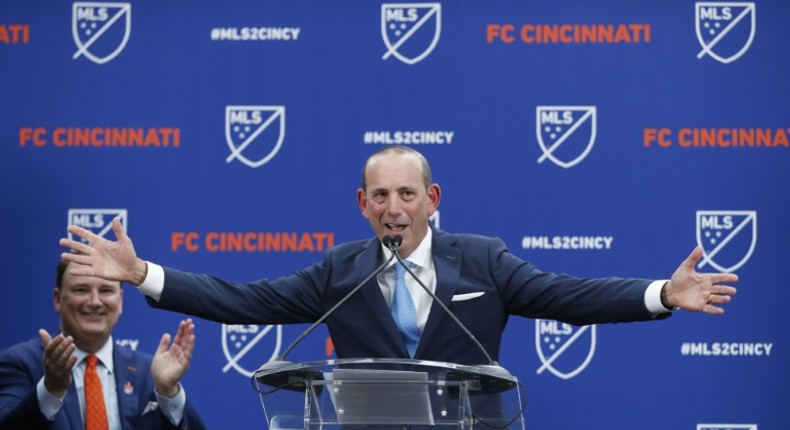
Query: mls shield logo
x=98 y=221
x=563 y=349
x=254 y=134
x=239 y=340
x=410 y=30
x=728 y=237
x=725 y=30
x=100 y=30
x=566 y=134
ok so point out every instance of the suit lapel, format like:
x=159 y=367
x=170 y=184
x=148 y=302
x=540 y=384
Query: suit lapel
x=71 y=406
x=127 y=383
x=447 y=262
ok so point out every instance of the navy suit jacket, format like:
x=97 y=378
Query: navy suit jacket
x=22 y=366
x=364 y=327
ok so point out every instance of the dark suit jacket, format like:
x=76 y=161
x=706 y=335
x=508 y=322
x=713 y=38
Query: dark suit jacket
x=363 y=326
x=22 y=366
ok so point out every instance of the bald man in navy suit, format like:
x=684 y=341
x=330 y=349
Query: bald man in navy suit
x=474 y=276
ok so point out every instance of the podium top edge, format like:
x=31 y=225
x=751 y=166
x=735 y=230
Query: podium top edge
x=481 y=370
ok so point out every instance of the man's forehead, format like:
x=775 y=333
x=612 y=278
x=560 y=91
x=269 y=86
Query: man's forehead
x=400 y=165
x=398 y=182
x=71 y=281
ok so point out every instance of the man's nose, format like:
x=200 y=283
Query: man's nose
x=393 y=206
x=93 y=298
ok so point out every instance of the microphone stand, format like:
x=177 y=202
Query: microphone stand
x=296 y=379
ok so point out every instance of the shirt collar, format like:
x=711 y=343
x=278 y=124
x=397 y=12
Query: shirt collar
x=421 y=257
x=104 y=354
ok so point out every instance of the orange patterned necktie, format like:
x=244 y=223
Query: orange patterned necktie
x=95 y=412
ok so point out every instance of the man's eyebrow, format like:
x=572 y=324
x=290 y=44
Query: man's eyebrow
x=399 y=189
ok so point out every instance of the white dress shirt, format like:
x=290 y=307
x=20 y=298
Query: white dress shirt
x=422 y=266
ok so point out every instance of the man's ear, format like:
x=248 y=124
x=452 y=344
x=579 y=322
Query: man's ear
x=56 y=299
x=434 y=197
x=362 y=202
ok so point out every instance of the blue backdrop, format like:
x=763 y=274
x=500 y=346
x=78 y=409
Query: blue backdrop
x=595 y=138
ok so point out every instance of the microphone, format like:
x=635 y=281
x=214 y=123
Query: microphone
x=393 y=243
x=390 y=242
x=296 y=379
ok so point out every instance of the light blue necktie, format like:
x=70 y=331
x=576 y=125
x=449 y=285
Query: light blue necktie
x=403 y=311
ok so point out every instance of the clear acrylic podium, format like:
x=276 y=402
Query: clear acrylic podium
x=388 y=394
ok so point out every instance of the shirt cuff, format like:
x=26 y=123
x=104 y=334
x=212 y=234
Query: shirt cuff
x=154 y=281
x=49 y=404
x=173 y=407
x=653 y=298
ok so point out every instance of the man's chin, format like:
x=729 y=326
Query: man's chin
x=94 y=329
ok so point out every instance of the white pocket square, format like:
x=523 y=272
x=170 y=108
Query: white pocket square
x=467 y=296
x=150 y=407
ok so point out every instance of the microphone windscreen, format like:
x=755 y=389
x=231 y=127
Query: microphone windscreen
x=387 y=241
x=397 y=240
